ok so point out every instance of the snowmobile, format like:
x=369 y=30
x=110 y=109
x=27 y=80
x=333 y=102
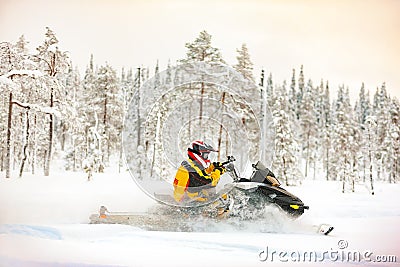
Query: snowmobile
x=245 y=198
x=260 y=189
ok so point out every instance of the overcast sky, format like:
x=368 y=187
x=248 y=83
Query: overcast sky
x=345 y=41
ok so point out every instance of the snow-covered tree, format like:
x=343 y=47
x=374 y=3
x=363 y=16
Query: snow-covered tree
x=393 y=140
x=381 y=111
x=157 y=82
x=309 y=130
x=52 y=61
x=293 y=95
x=344 y=140
x=74 y=123
x=26 y=111
x=202 y=50
x=168 y=78
x=362 y=111
x=363 y=106
x=300 y=91
x=326 y=129
x=111 y=112
x=244 y=64
x=285 y=163
x=270 y=91
x=138 y=156
x=88 y=108
x=370 y=147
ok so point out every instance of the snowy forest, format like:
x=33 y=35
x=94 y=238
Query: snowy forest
x=50 y=110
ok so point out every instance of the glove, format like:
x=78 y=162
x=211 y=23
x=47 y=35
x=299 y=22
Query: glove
x=215 y=175
x=218 y=166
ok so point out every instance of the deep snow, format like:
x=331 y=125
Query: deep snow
x=44 y=222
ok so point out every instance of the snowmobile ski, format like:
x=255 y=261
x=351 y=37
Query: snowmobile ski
x=325 y=229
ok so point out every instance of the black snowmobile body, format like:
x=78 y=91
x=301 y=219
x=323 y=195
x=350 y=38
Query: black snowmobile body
x=262 y=187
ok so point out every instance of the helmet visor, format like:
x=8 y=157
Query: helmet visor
x=205 y=155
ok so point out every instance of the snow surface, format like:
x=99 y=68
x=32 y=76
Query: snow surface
x=44 y=222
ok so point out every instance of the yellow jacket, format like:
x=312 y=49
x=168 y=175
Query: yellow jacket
x=190 y=180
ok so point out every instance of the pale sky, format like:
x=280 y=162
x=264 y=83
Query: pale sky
x=345 y=41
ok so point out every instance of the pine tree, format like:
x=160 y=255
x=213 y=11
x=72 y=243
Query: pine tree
x=362 y=111
x=168 y=78
x=89 y=108
x=370 y=147
x=74 y=123
x=111 y=113
x=33 y=79
x=22 y=45
x=127 y=88
x=393 y=158
x=293 y=95
x=309 y=130
x=285 y=160
x=381 y=111
x=157 y=81
x=270 y=90
x=139 y=146
x=321 y=107
x=244 y=64
x=55 y=63
x=362 y=107
x=326 y=130
x=8 y=61
x=202 y=50
x=344 y=140
x=300 y=92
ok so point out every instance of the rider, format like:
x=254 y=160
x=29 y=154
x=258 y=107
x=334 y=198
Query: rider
x=197 y=174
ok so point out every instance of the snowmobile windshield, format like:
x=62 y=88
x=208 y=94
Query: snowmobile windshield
x=263 y=175
x=260 y=166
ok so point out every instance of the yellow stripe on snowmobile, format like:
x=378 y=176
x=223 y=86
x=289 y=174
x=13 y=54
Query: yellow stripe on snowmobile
x=296 y=207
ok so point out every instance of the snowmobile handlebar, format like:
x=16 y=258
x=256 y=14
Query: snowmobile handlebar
x=231 y=168
x=230 y=159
